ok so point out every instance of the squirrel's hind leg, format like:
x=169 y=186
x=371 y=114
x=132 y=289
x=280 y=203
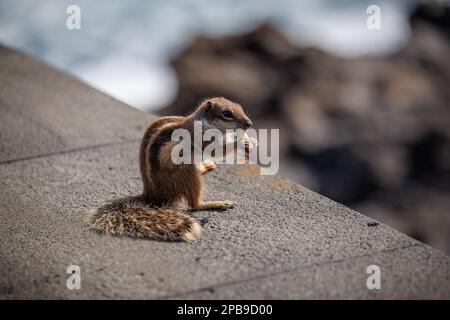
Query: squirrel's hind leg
x=193 y=197
x=198 y=204
x=208 y=205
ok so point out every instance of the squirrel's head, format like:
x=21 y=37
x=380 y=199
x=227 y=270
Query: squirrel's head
x=222 y=114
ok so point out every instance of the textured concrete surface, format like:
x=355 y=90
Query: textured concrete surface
x=48 y=111
x=79 y=148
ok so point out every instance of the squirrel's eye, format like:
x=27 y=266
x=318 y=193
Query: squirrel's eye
x=227 y=114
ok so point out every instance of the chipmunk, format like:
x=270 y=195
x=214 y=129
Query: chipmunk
x=166 y=184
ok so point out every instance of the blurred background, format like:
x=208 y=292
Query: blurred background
x=364 y=115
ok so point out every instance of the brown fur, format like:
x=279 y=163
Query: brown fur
x=166 y=184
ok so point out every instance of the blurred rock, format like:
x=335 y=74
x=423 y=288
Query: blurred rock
x=368 y=132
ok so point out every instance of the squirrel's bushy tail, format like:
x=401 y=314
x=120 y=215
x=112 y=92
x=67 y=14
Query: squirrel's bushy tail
x=134 y=217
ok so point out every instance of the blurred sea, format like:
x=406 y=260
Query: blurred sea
x=124 y=47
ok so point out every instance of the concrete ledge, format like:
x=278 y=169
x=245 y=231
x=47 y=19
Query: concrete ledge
x=66 y=148
x=49 y=112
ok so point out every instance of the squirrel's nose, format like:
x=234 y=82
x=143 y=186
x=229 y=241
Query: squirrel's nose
x=248 y=123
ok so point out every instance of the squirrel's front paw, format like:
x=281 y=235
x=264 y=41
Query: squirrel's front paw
x=206 y=166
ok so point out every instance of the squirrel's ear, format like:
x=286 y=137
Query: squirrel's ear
x=208 y=106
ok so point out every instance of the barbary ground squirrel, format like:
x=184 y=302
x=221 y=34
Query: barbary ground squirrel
x=165 y=184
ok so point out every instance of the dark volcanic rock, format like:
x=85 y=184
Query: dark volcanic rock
x=371 y=132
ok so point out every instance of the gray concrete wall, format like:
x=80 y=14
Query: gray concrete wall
x=66 y=148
